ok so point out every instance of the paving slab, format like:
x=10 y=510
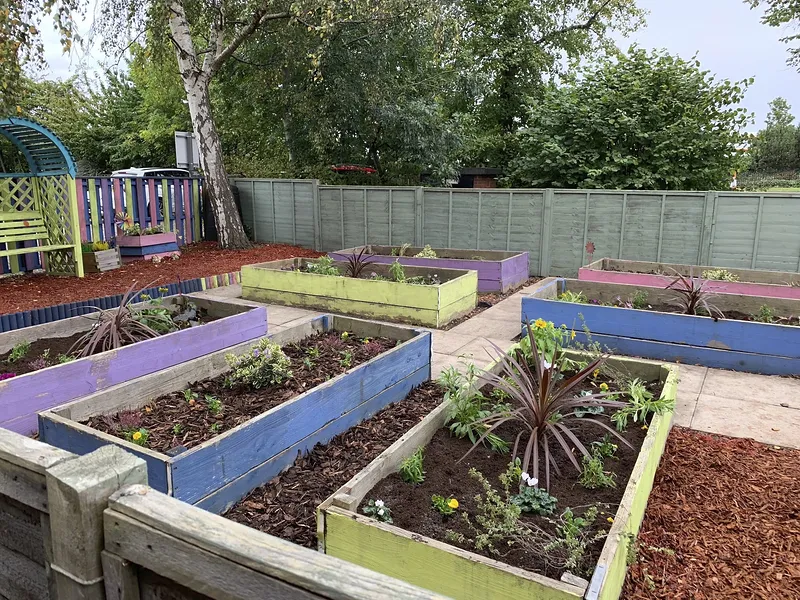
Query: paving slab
x=758 y=389
x=480 y=350
x=447 y=342
x=691 y=378
x=685 y=406
x=283 y=315
x=744 y=418
x=481 y=326
x=440 y=362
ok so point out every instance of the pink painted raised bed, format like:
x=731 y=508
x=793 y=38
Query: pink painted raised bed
x=23 y=396
x=138 y=247
x=770 y=284
x=498 y=271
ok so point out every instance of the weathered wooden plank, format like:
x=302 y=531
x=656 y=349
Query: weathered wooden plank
x=30 y=454
x=20 y=577
x=156 y=587
x=23 y=485
x=232 y=543
x=120 y=577
x=21 y=529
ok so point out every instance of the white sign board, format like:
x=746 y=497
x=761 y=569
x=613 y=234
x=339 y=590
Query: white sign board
x=186 y=154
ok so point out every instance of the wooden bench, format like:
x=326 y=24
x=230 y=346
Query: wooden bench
x=23 y=226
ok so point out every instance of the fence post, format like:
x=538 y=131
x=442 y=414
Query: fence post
x=547 y=218
x=707 y=233
x=317 y=210
x=419 y=217
x=77 y=494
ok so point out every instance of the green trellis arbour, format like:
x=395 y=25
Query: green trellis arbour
x=39 y=205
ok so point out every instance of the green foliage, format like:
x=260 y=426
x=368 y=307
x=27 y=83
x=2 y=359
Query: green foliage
x=639 y=300
x=765 y=314
x=411 y=470
x=347 y=359
x=177 y=429
x=496 y=518
x=324 y=265
x=264 y=364
x=549 y=338
x=397 y=272
x=604 y=448
x=640 y=403
x=189 y=395
x=594 y=475
x=641 y=120
x=781 y=13
x=570 y=296
x=378 y=511
x=720 y=275
x=445 y=506
x=426 y=252
x=18 y=352
x=214 y=404
x=137 y=436
x=535 y=500
x=690 y=297
x=575 y=536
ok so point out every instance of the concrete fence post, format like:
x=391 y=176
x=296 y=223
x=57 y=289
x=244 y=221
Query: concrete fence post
x=77 y=494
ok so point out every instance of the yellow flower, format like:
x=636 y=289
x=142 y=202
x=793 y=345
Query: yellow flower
x=572 y=334
x=148 y=409
x=610 y=519
x=644 y=427
x=540 y=323
x=137 y=435
x=595 y=373
x=452 y=503
x=603 y=387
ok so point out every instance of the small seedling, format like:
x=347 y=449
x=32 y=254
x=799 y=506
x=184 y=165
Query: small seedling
x=177 y=429
x=604 y=448
x=639 y=300
x=312 y=353
x=189 y=395
x=138 y=436
x=594 y=476
x=411 y=470
x=308 y=363
x=214 y=404
x=18 y=352
x=765 y=314
x=347 y=359
x=445 y=506
x=215 y=428
x=570 y=296
x=378 y=511
x=397 y=272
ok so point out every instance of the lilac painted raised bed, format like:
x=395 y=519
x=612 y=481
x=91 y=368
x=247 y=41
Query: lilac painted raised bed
x=23 y=396
x=497 y=271
x=769 y=284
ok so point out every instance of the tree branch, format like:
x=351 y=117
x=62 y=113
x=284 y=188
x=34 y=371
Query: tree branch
x=259 y=16
x=585 y=26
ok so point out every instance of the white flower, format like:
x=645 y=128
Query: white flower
x=380 y=511
x=531 y=481
x=524 y=477
x=379 y=503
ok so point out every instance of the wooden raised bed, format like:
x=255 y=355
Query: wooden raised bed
x=497 y=271
x=770 y=349
x=21 y=397
x=752 y=282
x=219 y=472
x=138 y=247
x=101 y=261
x=429 y=305
x=464 y=575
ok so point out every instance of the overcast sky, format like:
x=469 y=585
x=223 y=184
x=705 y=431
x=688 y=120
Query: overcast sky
x=726 y=34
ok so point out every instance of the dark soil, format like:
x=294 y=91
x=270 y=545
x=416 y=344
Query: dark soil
x=731 y=315
x=487 y=301
x=446 y=476
x=286 y=506
x=177 y=420
x=38 y=348
x=203 y=259
x=722 y=523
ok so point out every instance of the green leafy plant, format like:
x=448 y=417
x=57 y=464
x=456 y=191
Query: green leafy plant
x=604 y=448
x=397 y=272
x=720 y=275
x=18 y=352
x=356 y=263
x=138 y=436
x=426 y=252
x=214 y=404
x=765 y=314
x=313 y=353
x=177 y=429
x=401 y=251
x=309 y=364
x=445 y=506
x=544 y=400
x=496 y=517
x=533 y=499
x=189 y=395
x=378 y=510
x=324 y=265
x=347 y=359
x=264 y=364
x=639 y=300
x=411 y=470
x=570 y=296
x=640 y=403
x=64 y=358
x=594 y=475
x=548 y=337
x=574 y=537
x=690 y=296
x=215 y=427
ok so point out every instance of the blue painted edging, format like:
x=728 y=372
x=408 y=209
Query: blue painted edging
x=38 y=316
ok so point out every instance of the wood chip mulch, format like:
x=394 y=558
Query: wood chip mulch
x=37 y=290
x=723 y=522
x=286 y=506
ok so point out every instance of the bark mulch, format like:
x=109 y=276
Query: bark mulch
x=184 y=419
x=723 y=521
x=286 y=506
x=29 y=291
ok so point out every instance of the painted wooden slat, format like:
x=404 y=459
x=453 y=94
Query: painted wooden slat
x=94 y=210
x=167 y=209
x=177 y=200
x=141 y=205
x=187 y=212
x=130 y=200
x=81 y=193
x=108 y=209
x=196 y=209
x=119 y=197
x=152 y=202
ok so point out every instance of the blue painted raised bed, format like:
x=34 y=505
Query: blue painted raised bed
x=219 y=472
x=766 y=348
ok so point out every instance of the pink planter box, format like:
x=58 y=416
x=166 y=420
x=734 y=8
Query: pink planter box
x=138 y=247
x=770 y=284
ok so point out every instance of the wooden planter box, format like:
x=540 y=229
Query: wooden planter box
x=138 y=247
x=429 y=305
x=345 y=533
x=104 y=260
x=726 y=344
x=768 y=284
x=23 y=396
x=497 y=271
x=219 y=472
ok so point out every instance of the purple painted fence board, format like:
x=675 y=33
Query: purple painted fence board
x=21 y=397
x=497 y=272
x=595 y=272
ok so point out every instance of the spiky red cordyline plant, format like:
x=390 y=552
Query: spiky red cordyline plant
x=356 y=263
x=544 y=405
x=115 y=327
x=690 y=295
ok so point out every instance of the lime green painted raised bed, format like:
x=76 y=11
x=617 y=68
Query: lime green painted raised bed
x=430 y=305
x=464 y=575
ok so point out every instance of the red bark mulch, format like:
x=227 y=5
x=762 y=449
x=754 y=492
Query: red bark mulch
x=723 y=521
x=27 y=292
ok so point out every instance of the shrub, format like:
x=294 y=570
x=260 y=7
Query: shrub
x=265 y=364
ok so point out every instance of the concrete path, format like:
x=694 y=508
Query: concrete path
x=763 y=407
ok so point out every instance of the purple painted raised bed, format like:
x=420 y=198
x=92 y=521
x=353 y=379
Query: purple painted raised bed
x=770 y=284
x=497 y=271
x=23 y=396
